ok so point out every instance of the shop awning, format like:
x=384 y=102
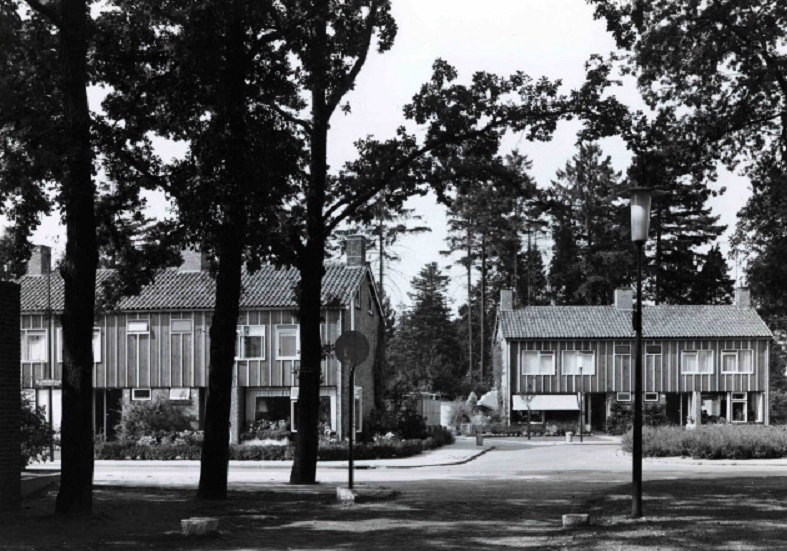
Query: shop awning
x=489 y=400
x=547 y=402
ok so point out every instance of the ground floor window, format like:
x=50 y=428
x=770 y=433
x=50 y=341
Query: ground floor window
x=274 y=410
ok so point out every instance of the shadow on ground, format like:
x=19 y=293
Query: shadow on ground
x=739 y=513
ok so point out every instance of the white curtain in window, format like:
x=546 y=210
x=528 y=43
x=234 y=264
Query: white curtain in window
x=746 y=361
x=705 y=361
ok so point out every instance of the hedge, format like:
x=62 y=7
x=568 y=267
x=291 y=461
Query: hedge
x=334 y=451
x=713 y=442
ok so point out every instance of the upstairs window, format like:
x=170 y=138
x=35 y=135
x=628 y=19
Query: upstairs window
x=251 y=342
x=34 y=345
x=538 y=362
x=737 y=361
x=574 y=359
x=288 y=342
x=697 y=362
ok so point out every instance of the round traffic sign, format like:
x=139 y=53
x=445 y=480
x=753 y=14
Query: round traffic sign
x=352 y=346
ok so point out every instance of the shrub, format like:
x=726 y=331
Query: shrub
x=713 y=442
x=329 y=451
x=410 y=425
x=36 y=434
x=620 y=417
x=155 y=418
x=461 y=412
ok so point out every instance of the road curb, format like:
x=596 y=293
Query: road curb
x=447 y=464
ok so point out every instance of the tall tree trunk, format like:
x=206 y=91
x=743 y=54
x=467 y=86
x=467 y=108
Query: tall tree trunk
x=214 y=461
x=78 y=269
x=311 y=264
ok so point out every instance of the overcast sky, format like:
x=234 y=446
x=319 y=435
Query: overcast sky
x=540 y=37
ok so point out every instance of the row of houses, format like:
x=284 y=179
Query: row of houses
x=702 y=363
x=156 y=344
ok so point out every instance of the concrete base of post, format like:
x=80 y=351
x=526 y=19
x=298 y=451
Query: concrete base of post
x=570 y=521
x=199 y=526
x=345 y=495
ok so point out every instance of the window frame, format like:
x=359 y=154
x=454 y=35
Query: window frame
x=130 y=331
x=696 y=353
x=185 y=394
x=240 y=348
x=651 y=399
x=737 y=355
x=619 y=396
x=23 y=347
x=540 y=353
x=577 y=353
x=135 y=398
x=286 y=327
x=174 y=331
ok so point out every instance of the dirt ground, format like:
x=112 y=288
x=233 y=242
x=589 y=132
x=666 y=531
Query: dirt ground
x=721 y=513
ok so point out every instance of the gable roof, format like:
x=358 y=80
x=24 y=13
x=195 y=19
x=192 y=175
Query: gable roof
x=609 y=322
x=174 y=289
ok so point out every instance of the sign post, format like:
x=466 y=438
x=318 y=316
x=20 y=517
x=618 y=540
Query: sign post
x=351 y=348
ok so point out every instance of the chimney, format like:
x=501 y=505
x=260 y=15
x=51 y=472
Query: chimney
x=742 y=298
x=40 y=262
x=624 y=299
x=194 y=261
x=355 y=248
x=506 y=300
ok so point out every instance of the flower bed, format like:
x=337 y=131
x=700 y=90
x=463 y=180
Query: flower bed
x=713 y=442
x=329 y=451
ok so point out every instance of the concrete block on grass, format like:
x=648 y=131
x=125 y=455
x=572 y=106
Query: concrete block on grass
x=570 y=521
x=199 y=526
x=345 y=495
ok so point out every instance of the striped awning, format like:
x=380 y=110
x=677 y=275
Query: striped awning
x=546 y=402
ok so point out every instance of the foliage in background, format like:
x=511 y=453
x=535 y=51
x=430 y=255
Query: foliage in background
x=36 y=434
x=778 y=384
x=713 y=442
x=152 y=418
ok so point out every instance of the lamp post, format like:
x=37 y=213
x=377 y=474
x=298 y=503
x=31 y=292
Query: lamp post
x=581 y=404
x=640 y=226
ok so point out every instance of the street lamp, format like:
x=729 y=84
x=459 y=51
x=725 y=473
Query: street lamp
x=640 y=226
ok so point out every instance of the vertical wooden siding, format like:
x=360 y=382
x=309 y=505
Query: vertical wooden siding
x=661 y=373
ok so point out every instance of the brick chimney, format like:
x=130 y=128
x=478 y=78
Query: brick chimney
x=742 y=298
x=624 y=299
x=355 y=248
x=40 y=262
x=506 y=300
x=194 y=261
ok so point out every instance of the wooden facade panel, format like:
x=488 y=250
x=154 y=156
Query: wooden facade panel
x=661 y=372
x=162 y=358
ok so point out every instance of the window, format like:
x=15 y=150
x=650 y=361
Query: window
x=327 y=414
x=622 y=350
x=180 y=394
x=737 y=361
x=575 y=359
x=358 y=412
x=371 y=305
x=181 y=326
x=623 y=397
x=34 y=345
x=739 y=412
x=96 y=344
x=697 y=362
x=651 y=396
x=140 y=394
x=251 y=342
x=538 y=362
x=357 y=300
x=653 y=349
x=288 y=342
x=739 y=396
x=138 y=326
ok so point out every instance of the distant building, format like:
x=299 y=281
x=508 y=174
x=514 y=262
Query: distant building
x=157 y=343
x=703 y=363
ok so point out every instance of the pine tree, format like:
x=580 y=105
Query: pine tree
x=591 y=256
x=713 y=285
x=425 y=347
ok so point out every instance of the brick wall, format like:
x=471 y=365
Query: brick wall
x=10 y=397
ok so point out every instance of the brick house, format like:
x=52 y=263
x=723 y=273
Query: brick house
x=157 y=343
x=702 y=363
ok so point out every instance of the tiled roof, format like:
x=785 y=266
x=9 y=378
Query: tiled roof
x=173 y=289
x=608 y=322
